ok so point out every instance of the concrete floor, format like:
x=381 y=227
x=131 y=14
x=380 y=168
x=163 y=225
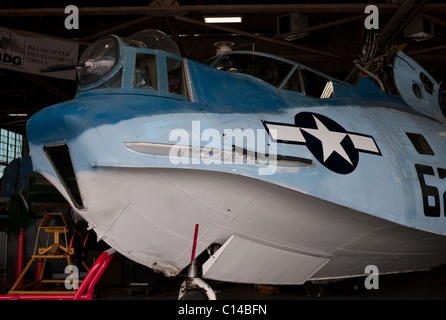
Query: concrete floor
x=398 y=296
x=334 y=300
x=428 y=285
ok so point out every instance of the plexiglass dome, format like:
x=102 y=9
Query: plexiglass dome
x=157 y=40
x=102 y=56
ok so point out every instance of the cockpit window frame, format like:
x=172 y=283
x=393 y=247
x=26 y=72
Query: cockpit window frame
x=126 y=65
x=154 y=86
x=304 y=72
x=163 y=80
x=292 y=65
x=328 y=91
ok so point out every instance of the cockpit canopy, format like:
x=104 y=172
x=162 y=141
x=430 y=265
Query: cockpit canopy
x=149 y=62
x=148 y=59
x=280 y=73
x=272 y=71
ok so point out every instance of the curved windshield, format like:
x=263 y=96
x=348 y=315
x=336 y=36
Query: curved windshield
x=267 y=69
x=153 y=39
x=100 y=59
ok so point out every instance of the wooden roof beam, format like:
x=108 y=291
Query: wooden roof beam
x=258 y=37
x=213 y=9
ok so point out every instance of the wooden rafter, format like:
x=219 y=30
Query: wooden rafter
x=213 y=9
x=258 y=37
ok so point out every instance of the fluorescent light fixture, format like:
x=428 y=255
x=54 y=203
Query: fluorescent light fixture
x=17 y=114
x=234 y=19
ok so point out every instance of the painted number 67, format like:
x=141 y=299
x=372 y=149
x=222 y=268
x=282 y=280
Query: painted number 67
x=431 y=196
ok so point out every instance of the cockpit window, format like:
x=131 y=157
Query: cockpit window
x=175 y=77
x=145 y=72
x=310 y=83
x=267 y=69
x=294 y=83
x=102 y=56
x=316 y=86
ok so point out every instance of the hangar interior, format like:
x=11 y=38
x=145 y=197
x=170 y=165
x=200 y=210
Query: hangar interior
x=323 y=35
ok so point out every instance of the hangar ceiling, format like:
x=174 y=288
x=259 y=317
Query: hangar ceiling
x=336 y=36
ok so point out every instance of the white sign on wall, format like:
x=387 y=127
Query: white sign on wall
x=31 y=53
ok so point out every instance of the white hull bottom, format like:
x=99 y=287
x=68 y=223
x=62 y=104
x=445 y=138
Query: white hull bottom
x=269 y=234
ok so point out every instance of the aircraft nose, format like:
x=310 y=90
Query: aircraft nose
x=57 y=122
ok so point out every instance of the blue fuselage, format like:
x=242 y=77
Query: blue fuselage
x=357 y=148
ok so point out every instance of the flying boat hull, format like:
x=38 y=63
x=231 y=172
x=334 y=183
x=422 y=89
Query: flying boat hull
x=142 y=203
x=269 y=173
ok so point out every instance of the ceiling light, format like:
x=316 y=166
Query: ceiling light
x=234 y=19
x=17 y=114
x=419 y=29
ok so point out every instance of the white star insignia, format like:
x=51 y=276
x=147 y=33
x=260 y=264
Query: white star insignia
x=331 y=140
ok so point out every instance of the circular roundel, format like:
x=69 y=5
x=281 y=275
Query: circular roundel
x=328 y=141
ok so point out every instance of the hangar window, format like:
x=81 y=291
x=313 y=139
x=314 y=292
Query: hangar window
x=10 y=148
x=420 y=143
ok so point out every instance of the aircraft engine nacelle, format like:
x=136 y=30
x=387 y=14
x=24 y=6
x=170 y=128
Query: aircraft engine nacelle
x=418 y=88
